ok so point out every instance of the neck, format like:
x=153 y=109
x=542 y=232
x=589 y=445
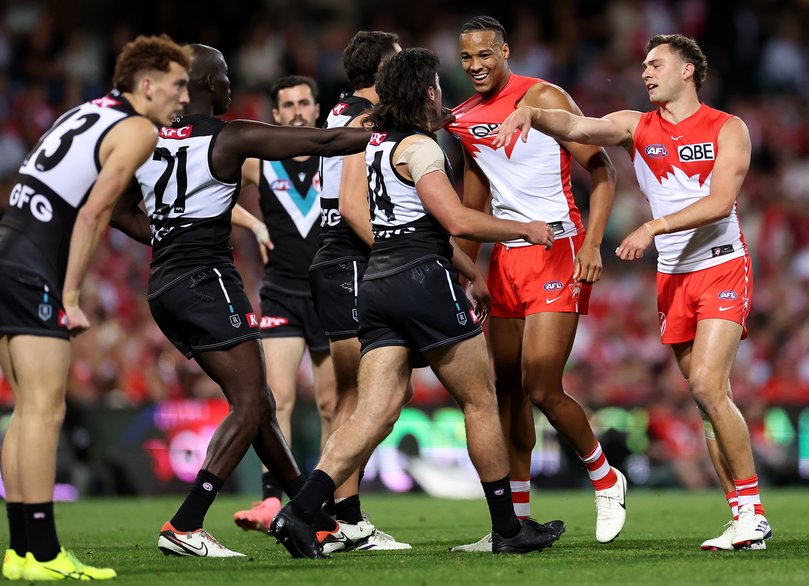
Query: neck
x=679 y=109
x=369 y=93
x=198 y=107
x=496 y=90
x=301 y=159
x=137 y=101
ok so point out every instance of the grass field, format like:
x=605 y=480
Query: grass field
x=659 y=545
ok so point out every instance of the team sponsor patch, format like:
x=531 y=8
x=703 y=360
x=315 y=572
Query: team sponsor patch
x=269 y=322
x=689 y=153
x=339 y=108
x=377 y=138
x=728 y=295
x=483 y=130
x=656 y=151
x=176 y=133
x=62 y=318
x=252 y=320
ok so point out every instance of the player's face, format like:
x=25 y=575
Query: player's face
x=296 y=107
x=664 y=74
x=437 y=97
x=485 y=61
x=167 y=94
x=221 y=87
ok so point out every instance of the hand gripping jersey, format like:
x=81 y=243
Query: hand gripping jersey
x=674 y=163
x=405 y=234
x=53 y=183
x=338 y=242
x=289 y=198
x=188 y=205
x=529 y=180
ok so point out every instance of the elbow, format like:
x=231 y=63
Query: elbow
x=456 y=228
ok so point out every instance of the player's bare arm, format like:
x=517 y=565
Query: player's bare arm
x=614 y=129
x=732 y=162
x=477 y=195
x=242 y=218
x=123 y=150
x=128 y=217
x=353 y=202
x=439 y=198
x=242 y=139
x=587 y=266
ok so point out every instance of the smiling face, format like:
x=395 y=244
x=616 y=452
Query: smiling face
x=665 y=74
x=296 y=106
x=485 y=61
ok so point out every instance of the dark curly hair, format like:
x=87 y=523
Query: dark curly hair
x=402 y=86
x=688 y=50
x=153 y=53
x=485 y=23
x=364 y=53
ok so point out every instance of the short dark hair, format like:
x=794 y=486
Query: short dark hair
x=363 y=55
x=485 y=23
x=289 y=81
x=152 y=53
x=688 y=50
x=402 y=86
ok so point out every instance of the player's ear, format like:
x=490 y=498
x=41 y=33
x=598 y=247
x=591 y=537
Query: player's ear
x=688 y=71
x=317 y=111
x=209 y=83
x=506 y=51
x=276 y=116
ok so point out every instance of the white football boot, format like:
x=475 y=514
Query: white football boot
x=482 y=546
x=197 y=543
x=750 y=529
x=611 y=510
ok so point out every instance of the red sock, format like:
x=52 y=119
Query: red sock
x=747 y=489
x=598 y=469
x=521 y=498
x=733 y=503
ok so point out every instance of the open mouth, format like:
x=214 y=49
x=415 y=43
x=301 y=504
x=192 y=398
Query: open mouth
x=479 y=77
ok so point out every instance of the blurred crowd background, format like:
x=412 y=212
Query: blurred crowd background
x=55 y=54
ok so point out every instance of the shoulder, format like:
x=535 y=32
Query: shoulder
x=136 y=129
x=550 y=96
x=419 y=144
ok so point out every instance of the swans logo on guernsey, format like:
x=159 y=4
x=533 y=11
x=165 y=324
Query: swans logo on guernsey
x=176 y=133
x=657 y=151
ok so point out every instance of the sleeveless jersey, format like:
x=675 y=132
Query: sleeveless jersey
x=528 y=180
x=674 y=163
x=405 y=234
x=53 y=183
x=290 y=206
x=188 y=205
x=338 y=242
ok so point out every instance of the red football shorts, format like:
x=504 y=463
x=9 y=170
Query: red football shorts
x=529 y=279
x=721 y=292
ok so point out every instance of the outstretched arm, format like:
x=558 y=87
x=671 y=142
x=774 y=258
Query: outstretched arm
x=730 y=168
x=614 y=129
x=242 y=139
x=123 y=150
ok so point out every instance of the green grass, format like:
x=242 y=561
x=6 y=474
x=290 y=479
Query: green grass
x=659 y=545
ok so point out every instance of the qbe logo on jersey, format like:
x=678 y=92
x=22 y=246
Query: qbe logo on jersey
x=691 y=153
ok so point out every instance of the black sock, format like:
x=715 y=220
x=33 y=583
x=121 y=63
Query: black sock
x=310 y=498
x=16 y=528
x=329 y=506
x=270 y=487
x=348 y=510
x=292 y=488
x=191 y=513
x=501 y=509
x=40 y=530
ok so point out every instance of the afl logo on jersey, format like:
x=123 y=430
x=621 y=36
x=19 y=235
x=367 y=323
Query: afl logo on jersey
x=656 y=151
x=696 y=152
x=552 y=286
x=377 y=138
x=483 y=130
x=339 y=108
x=281 y=185
x=728 y=295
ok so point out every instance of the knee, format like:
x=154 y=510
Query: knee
x=47 y=414
x=709 y=396
x=542 y=396
x=326 y=407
